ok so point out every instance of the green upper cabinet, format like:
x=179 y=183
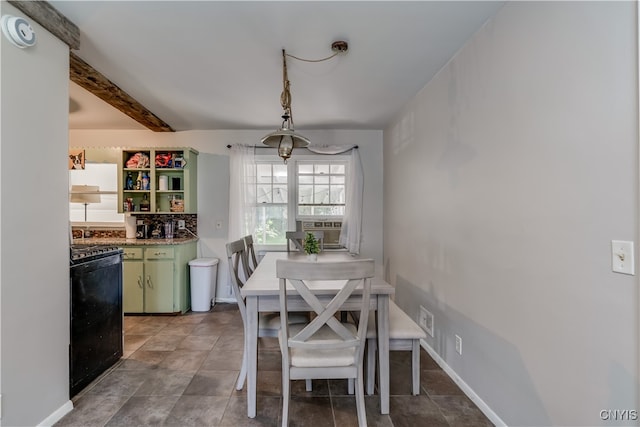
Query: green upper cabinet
x=158 y=180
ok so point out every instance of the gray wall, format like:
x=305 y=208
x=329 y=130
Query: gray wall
x=506 y=178
x=34 y=236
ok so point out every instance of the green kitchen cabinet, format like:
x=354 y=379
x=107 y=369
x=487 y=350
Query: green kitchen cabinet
x=156 y=278
x=133 y=284
x=158 y=180
x=158 y=293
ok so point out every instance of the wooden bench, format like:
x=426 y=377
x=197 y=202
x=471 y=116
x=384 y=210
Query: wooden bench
x=404 y=335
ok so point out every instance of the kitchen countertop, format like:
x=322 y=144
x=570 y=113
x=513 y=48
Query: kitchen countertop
x=115 y=241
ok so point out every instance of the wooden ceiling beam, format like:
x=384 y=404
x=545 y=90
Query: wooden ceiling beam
x=95 y=82
x=84 y=74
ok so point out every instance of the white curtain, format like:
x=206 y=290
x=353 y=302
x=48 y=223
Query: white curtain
x=242 y=197
x=351 y=231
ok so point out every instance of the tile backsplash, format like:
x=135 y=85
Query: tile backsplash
x=153 y=220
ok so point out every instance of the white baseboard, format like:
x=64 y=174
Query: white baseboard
x=57 y=414
x=231 y=300
x=468 y=391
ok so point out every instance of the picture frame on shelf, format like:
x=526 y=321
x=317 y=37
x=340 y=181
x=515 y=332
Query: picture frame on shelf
x=76 y=159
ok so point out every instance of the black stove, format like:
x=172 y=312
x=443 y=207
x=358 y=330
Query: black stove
x=96 y=312
x=85 y=253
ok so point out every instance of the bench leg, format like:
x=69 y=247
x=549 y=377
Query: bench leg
x=415 y=367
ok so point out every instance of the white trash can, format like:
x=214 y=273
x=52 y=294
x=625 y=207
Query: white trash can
x=204 y=272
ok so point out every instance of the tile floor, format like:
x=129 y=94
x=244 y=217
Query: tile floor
x=181 y=371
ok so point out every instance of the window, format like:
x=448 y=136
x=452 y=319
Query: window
x=304 y=189
x=105 y=176
x=271 y=203
x=321 y=189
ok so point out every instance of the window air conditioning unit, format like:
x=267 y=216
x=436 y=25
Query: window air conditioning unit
x=331 y=231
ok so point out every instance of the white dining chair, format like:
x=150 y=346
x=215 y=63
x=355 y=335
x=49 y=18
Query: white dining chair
x=325 y=348
x=268 y=323
x=296 y=238
x=404 y=335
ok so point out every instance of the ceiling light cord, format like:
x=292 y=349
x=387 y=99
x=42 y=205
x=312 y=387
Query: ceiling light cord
x=312 y=60
x=285 y=96
x=337 y=47
x=286 y=138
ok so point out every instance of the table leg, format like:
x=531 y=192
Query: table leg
x=251 y=337
x=383 y=351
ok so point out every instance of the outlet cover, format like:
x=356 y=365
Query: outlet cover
x=458 y=345
x=181 y=224
x=426 y=320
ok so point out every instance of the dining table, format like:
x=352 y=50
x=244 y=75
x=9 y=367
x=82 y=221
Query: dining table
x=261 y=294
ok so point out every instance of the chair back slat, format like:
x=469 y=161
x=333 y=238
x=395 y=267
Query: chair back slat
x=338 y=270
x=325 y=314
x=316 y=306
x=252 y=261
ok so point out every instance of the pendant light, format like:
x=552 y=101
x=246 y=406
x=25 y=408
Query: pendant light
x=286 y=138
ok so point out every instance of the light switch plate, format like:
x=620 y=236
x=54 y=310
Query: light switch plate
x=622 y=257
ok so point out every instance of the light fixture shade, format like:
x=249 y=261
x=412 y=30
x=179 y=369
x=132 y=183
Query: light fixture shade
x=275 y=138
x=85 y=194
x=285 y=140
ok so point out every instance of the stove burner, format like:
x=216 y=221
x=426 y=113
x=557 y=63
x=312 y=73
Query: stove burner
x=84 y=253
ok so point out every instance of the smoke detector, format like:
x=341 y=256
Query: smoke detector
x=18 y=31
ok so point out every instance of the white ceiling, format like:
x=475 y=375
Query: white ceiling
x=201 y=65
